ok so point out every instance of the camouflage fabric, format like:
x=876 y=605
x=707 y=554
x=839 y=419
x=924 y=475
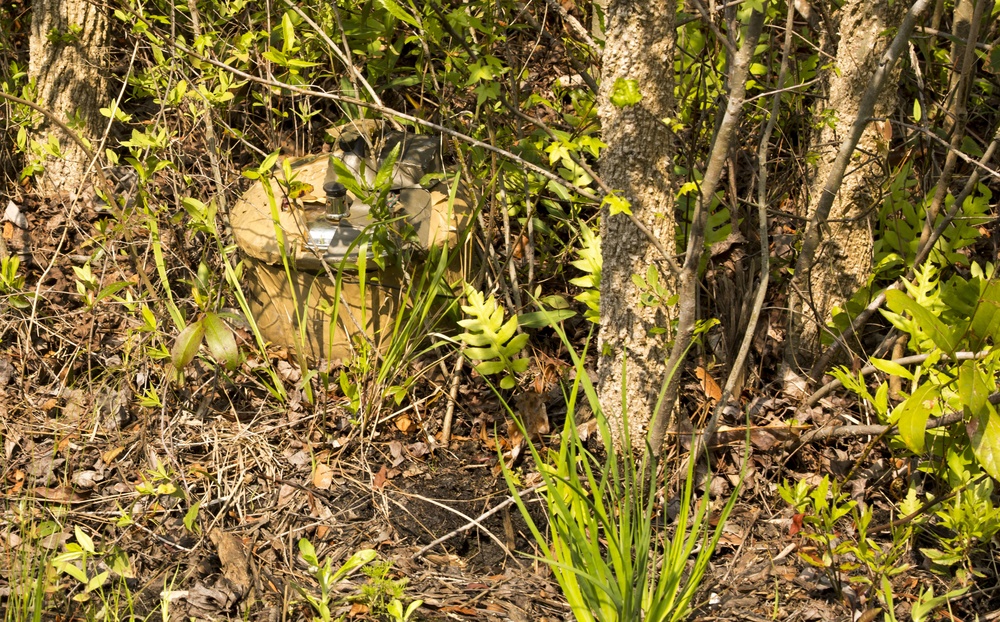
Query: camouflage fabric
x=282 y=303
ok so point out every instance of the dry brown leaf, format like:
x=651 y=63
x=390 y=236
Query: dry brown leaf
x=378 y=481
x=86 y=479
x=358 y=610
x=198 y=470
x=404 y=424
x=109 y=456
x=708 y=384
x=322 y=477
x=11 y=442
x=586 y=429
x=415 y=471
x=59 y=494
x=18 y=483
x=396 y=450
x=285 y=494
x=418 y=449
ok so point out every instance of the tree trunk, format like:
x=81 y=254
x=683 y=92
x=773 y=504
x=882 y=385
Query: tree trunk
x=69 y=50
x=638 y=162
x=843 y=259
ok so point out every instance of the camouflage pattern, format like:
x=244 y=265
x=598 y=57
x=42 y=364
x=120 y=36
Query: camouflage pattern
x=294 y=309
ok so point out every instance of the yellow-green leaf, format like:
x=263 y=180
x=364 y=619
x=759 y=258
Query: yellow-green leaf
x=221 y=341
x=83 y=540
x=625 y=92
x=187 y=344
x=893 y=369
x=984 y=431
x=913 y=416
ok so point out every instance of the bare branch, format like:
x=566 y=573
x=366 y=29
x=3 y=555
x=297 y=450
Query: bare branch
x=738 y=73
x=765 y=270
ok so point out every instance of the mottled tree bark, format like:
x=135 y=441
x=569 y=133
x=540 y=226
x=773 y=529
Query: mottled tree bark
x=69 y=49
x=842 y=261
x=638 y=162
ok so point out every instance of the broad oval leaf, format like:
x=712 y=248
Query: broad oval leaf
x=83 y=540
x=221 y=341
x=520 y=365
x=913 y=417
x=475 y=339
x=187 y=344
x=985 y=435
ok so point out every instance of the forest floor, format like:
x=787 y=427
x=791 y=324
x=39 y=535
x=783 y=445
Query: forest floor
x=197 y=505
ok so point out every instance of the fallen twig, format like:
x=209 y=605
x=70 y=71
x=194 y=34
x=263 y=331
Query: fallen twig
x=846 y=431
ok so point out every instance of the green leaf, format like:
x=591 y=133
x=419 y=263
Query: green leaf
x=187 y=344
x=881 y=401
x=984 y=432
x=520 y=365
x=488 y=368
x=994 y=64
x=191 y=517
x=916 y=110
x=397 y=11
x=112 y=289
x=913 y=415
x=269 y=161
x=617 y=205
x=985 y=324
x=482 y=354
x=516 y=345
x=356 y=561
x=541 y=319
x=221 y=341
x=973 y=389
x=507 y=331
x=83 y=540
x=508 y=383
x=287 y=32
x=97 y=581
x=476 y=339
x=346 y=177
x=943 y=338
x=308 y=552
x=893 y=369
x=73 y=571
x=625 y=93
x=384 y=175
